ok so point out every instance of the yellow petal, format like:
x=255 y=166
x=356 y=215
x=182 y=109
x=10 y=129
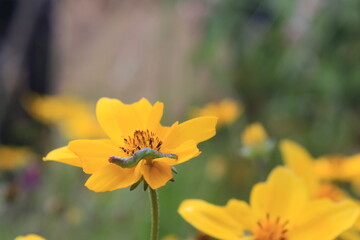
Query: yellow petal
x=120 y=120
x=197 y=129
x=242 y=212
x=185 y=151
x=95 y=153
x=143 y=108
x=324 y=220
x=282 y=195
x=63 y=155
x=14 y=157
x=156 y=174
x=162 y=132
x=351 y=167
x=112 y=177
x=300 y=161
x=29 y=237
x=210 y=219
x=324 y=169
x=156 y=113
x=168 y=161
x=254 y=135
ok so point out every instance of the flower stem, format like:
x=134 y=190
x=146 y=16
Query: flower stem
x=154 y=213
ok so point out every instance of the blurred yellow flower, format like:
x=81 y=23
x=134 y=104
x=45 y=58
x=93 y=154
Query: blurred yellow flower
x=138 y=147
x=74 y=215
x=280 y=209
x=13 y=157
x=170 y=237
x=338 y=167
x=216 y=168
x=227 y=111
x=303 y=164
x=29 y=237
x=73 y=116
x=254 y=135
x=256 y=143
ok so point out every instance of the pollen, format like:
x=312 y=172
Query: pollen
x=140 y=140
x=271 y=229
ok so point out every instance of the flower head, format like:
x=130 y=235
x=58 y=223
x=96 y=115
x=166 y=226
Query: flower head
x=13 y=157
x=29 y=237
x=338 y=167
x=254 y=135
x=256 y=143
x=170 y=237
x=216 y=168
x=72 y=115
x=279 y=209
x=304 y=165
x=227 y=111
x=138 y=147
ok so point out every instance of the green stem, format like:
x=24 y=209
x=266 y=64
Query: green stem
x=154 y=213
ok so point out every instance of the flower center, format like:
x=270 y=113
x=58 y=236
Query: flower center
x=140 y=140
x=271 y=229
x=143 y=145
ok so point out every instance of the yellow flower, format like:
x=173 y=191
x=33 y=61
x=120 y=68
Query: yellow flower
x=254 y=135
x=301 y=162
x=29 y=237
x=256 y=144
x=13 y=157
x=216 y=168
x=338 y=167
x=227 y=111
x=280 y=209
x=138 y=147
x=170 y=237
x=73 y=116
x=304 y=165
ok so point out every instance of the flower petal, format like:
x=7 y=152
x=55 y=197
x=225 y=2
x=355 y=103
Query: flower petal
x=324 y=220
x=112 y=177
x=95 y=153
x=300 y=161
x=185 y=151
x=29 y=237
x=351 y=167
x=63 y=155
x=168 y=161
x=283 y=194
x=242 y=212
x=197 y=129
x=156 y=174
x=162 y=132
x=120 y=120
x=210 y=219
x=153 y=122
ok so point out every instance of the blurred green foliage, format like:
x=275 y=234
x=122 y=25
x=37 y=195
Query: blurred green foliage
x=294 y=65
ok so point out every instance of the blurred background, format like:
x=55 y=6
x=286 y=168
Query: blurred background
x=288 y=64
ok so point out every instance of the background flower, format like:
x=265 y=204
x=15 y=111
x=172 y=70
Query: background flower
x=279 y=209
x=227 y=111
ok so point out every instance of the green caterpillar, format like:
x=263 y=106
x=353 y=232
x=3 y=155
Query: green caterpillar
x=145 y=153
